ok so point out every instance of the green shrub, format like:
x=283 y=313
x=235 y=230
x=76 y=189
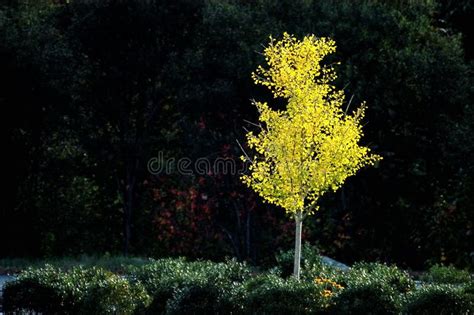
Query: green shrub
x=228 y=271
x=468 y=288
x=118 y=264
x=447 y=275
x=372 y=288
x=439 y=299
x=161 y=278
x=367 y=273
x=271 y=294
x=42 y=290
x=174 y=280
x=309 y=256
x=79 y=290
x=205 y=298
x=311 y=264
x=107 y=293
x=367 y=298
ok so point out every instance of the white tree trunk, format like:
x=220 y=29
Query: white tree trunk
x=299 y=225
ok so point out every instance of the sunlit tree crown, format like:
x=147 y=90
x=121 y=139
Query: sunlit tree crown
x=313 y=145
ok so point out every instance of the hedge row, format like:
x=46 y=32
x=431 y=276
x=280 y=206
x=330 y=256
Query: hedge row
x=80 y=290
x=175 y=286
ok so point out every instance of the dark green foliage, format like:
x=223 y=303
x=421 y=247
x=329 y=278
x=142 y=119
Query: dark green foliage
x=439 y=299
x=114 y=295
x=206 y=298
x=117 y=264
x=175 y=281
x=95 y=89
x=177 y=286
x=270 y=294
x=77 y=291
x=162 y=278
x=311 y=264
x=469 y=288
x=367 y=298
x=447 y=275
x=372 y=288
x=368 y=273
x=37 y=290
x=309 y=257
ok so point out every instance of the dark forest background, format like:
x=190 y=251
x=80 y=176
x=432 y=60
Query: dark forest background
x=91 y=90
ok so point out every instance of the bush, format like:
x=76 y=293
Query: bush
x=91 y=291
x=116 y=264
x=175 y=280
x=107 y=293
x=468 y=288
x=367 y=298
x=311 y=264
x=205 y=298
x=446 y=275
x=271 y=294
x=366 y=273
x=161 y=278
x=309 y=257
x=439 y=299
x=180 y=287
x=38 y=290
x=372 y=288
x=228 y=271
x=198 y=298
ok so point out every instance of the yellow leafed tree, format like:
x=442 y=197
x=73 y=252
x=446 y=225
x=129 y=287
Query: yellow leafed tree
x=311 y=147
